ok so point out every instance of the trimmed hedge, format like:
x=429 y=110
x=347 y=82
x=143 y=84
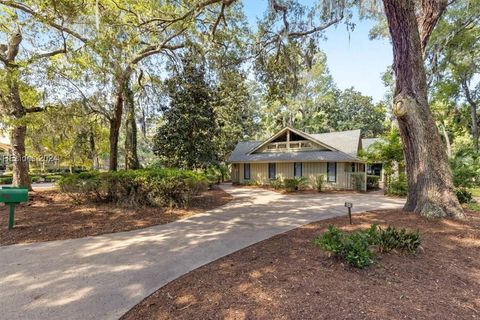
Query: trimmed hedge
x=152 y=187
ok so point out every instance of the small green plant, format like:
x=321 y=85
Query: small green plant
x=392 y=238
x=398 y=187
x=276 y=183
x=294 y=184
x=355 y=247
x=373 y=182
x=358 y=179
x=318 y=182
x=463 y=195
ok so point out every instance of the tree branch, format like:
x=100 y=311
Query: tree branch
x=46 y=20
x=431 y=12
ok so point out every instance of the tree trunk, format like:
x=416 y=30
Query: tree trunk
x=430 y=186
x=20 y=161
x=115 y=123
x=131 y=156
x=447 y=141
x=93 y=152
x=473 y=115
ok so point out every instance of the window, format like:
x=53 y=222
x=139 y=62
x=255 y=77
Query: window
x=353 y=167
x=272 y=174
x=297 y=169
x=332 y=171
x=246 y=171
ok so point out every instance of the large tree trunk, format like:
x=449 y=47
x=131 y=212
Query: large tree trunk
x=131 y=156
x=13 y=107
x=20 y=161
x=430 y=186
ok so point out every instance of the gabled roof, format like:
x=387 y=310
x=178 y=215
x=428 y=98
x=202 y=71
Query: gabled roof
x=343 y=146
x=300 y=133
x=367 y=142
x=346 y=141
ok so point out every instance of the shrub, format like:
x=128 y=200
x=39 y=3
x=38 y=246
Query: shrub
x=463 y=195
x=318 y=182
x=373 y=182
x=391 y=238
x=154 y=187
x=6 y=180
x=358 y=179
x=398 y=187
x=294 y=184
x=276 y=183
x=354 y=247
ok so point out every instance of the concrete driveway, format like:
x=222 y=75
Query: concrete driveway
x=102 y=277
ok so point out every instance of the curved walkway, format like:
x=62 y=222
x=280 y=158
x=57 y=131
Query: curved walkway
x=102 y=277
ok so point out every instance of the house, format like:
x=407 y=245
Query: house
x=292 y=153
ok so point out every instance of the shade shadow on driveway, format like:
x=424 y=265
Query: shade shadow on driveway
x=102 y=277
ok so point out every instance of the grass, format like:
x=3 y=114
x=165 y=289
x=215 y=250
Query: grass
x=474 y=206
x=475 y=192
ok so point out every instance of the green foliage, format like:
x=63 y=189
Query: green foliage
x=358 y=179
x=465 y=169
x=398 y=186
x=373 y=182
x=277 y=183
x=152 y=187
x=355 y=247
x=474 y=206
x=185 y=139
x=391 y=238
x=294 y=184
x=463 y=195
x=319 y=182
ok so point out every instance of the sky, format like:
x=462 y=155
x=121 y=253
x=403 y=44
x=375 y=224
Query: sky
x=353 y=59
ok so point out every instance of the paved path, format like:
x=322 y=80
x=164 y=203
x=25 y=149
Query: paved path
x=103 y=277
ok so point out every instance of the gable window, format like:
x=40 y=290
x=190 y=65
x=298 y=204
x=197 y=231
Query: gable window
x=297 y=169
x=272 y=171
x=246 y=171
x=332 y=172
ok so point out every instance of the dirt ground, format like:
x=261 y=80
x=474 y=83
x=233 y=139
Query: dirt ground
x=51 y=215
x=287 y=277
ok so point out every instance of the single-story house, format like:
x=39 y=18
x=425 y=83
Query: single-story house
x=292 y=153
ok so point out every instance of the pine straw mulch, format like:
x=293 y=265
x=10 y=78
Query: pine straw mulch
x=287 y=277
x=51 y=215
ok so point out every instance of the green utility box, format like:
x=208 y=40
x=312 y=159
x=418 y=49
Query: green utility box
x=12 y=196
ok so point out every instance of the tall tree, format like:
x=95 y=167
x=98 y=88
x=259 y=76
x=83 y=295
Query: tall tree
x=430 y=186
x=186 y=137
x=18 y=64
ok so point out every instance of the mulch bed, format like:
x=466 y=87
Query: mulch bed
x=51 y=215
x=287 y=277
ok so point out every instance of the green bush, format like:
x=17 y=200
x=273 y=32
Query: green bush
x=276 y=183
x=358 y=179
x=294 y=184
x=373 y=182
x=354 y=247
x=398 y=187
x=391 y=238
x=6 y=180
x=463 y=195
x=318 y=182
x=153 y=187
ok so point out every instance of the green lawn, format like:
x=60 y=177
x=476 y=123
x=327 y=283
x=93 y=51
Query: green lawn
x=474 y=206
x=475 y=192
